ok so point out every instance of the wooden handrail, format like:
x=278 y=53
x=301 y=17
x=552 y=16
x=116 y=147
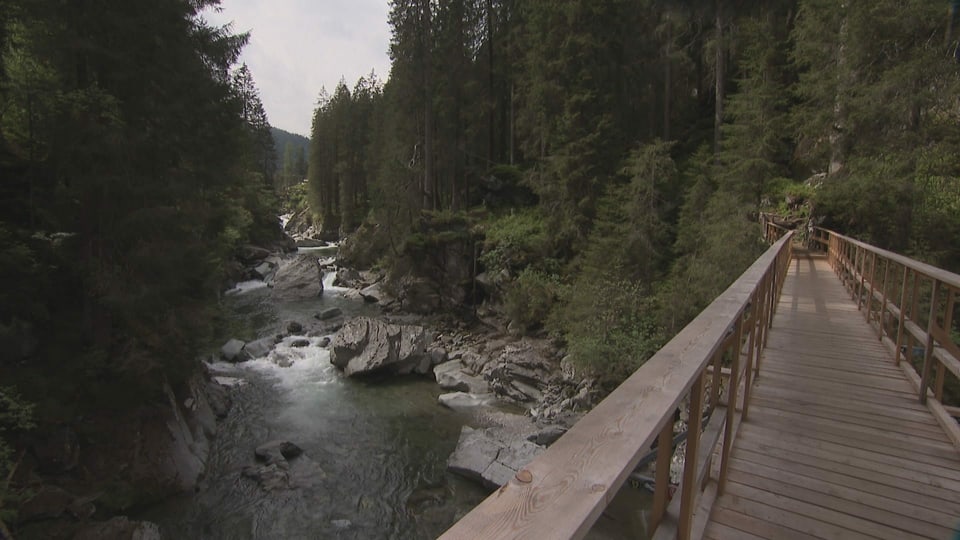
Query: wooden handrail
x=562 y=492
x=911 y=305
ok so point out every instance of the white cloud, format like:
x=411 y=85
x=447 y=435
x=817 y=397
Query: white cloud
x=299 y=46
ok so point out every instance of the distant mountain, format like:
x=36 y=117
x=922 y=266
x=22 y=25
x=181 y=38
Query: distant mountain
x=280 y=140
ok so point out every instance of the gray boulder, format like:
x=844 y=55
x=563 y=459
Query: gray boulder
x=464 y=400
x=276 y=451
x=258 y=348
x=366 y=345
x=231 y=350
x=297 y=278
x=263 y=270
x=482 y=455
x=329 y=313
x=451 y=376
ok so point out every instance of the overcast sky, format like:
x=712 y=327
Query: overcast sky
x=299 y=46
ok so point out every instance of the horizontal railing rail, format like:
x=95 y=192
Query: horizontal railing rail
x=562 y=492
x=912 y=307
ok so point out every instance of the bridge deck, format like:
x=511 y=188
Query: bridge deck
x=836 y=444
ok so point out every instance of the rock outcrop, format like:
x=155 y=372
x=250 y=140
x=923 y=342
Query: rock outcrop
x=367 y=345
x=297 y=278
x=491 y=459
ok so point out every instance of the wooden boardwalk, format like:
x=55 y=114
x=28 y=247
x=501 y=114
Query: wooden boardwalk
x=836 y=444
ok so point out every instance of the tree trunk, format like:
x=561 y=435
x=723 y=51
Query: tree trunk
x=429 y=182
x=718 y=80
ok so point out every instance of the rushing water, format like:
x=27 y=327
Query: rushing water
x=382 y=444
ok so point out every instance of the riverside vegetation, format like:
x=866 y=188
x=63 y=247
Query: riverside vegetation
x=592 y=170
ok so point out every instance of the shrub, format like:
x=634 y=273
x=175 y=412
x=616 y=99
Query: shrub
x=530 y=298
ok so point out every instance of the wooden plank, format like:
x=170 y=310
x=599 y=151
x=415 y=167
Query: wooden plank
x=945 y=468
x=843 y=439
x=821 y=513
x=942 y=449
x=848 y=456
x=719 y=531
x=786 y=519
x=751 y=461
x=753 y=526
x=749 y=451
x=847 y=491
x=863 y=419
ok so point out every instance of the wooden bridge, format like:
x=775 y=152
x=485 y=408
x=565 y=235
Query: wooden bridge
x=838 y=361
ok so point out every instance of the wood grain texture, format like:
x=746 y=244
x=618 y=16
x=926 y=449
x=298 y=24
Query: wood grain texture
x=836 y=445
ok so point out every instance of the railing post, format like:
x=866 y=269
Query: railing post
x=873 y=279
x=883 y=304
x=733 y=389
x=928 y=351
x=755 y=324
x=903 y=315
x=947 y=324
x=662 y=479
x=689 y=488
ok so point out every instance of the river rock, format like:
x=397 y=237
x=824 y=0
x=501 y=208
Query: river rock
x=482 y=455
x=258 y=348
x=286 y=467
x=451 y=376
x=275 y=451
x=547 y=435
x=347 y=277
x=329 y=313
x=465 y=400
x=119 y=528
x=293 y=327
x=366 y=345
x=299 y=343
x=231 y=350
x=263 y=271
x=297 y=278
x=520 y=373
x=371 y=293
x=252 y=254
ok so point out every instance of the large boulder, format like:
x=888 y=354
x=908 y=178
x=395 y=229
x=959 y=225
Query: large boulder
x=298 y=277
x=367 y=345
x=258 y=348
x=231 y=350
x=521 y=373
x=452 y=376
x=465 y=400
x=491 y=459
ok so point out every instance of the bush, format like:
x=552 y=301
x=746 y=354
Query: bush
x=530 y=298
x=515 y=241
x=609 y=327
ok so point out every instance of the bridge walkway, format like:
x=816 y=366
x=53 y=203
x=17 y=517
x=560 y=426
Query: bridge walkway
x=836 y=444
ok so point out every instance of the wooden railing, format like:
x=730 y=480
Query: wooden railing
x=771 y=230
x=912 y=306
x=561 y=493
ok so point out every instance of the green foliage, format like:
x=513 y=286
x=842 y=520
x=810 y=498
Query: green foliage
x=16 y=416
x=515 y=241
x=608 y=325
x=530 y=297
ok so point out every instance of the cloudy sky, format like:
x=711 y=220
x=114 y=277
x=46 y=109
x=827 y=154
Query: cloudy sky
x=299 y=46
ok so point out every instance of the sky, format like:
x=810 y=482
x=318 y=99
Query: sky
x=298 y=47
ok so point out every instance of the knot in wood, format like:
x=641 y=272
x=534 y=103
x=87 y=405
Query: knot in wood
x=524 y=476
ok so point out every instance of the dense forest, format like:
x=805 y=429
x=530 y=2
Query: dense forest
x=136 y=159
x=605 y=162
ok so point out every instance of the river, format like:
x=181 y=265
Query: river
x=382 y=444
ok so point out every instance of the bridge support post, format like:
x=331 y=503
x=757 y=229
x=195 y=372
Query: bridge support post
x=928 y=350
